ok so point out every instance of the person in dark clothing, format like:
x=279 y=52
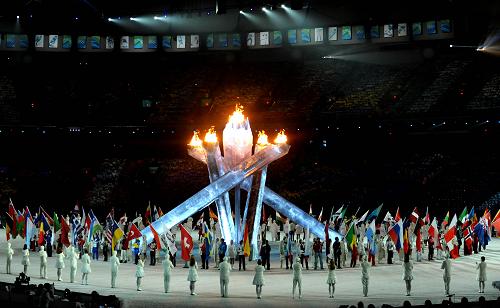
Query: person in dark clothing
x=241 y=256
x=204 y=259
x=222 y=250
x=48 y=241
x=337 y=252
x=430 y=242
x=267 y=252
x=152 y=254
x=105 y=248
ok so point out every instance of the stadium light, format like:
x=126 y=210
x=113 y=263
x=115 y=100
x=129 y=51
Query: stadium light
x=283 y=6
x=17 y=17
x=241 y=12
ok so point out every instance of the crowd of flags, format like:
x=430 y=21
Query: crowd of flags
x=399 y=228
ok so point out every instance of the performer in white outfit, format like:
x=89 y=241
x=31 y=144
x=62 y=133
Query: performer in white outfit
x=139 y=272
x=365 y=275
x=224 y=269
x=331 y=277
x=26 y=259
x=192 y=274
x=258 y=279
x=10 y=253
x=481 y=274
x=86 y=270
x=408 y=273
x=446 y=265
x=297 y=277
x=43 y=262
x=73 y=263
x=60 y=263
x=115 y=264
x=167 y=269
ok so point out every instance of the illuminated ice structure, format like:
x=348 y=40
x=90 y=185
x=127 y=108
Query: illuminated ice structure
x=238 y=169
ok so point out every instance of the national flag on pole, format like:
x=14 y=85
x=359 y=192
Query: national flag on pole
x=212 y=214
x=156 y=237
x=445 y=220
x=95 y=226
x=155 y=213
x=65 y=233
x=427 y=218
x=133 y=233
x=450 y=234
x=147 y=215
x=109 y=228
x=30 y=230
x=370 y=231
x=50 y=221
x=418 y=243
x=327 y=233
x=342 y=213
x=388 y=217
x=186 y=243
x=468 y=233
x=497 y=216
x=21 y=224
x=374 y=214
x=160 y=212
x=463 y=216
x=471 y=214
x=207 y=235
x=279 y=218
x=350 y=236
x=57 y=224
x=398 y=216
x=246 y=242
x=76 y=229
x=9 y=222
x=41 y=235
x=406 y=242
x=117 y=234
x=13 y=214
x=433 y=229
x=396 y=234
x=170 y=242
x=362 y=219
x=414 y=215
x=320 y=216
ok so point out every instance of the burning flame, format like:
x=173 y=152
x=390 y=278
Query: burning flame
x=195 y=141
x=211 y=136
x=237 y=117
x=281 y=138
x=262 y=140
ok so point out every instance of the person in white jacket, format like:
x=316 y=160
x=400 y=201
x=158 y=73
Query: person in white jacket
x=224 y=269
x=258 y=278
x=115 y=264
x=60 y=263
x=26 y=259
x=408 y=273
x=167 y=270
x=446 y=266
x=86 y=270
x=73 y=263
x=481 y=274
x=297 y=277
x=43 y=262
x=331 y=277
x=139 y=272
x=192 y=274
x=10 y=253
x=365 y=275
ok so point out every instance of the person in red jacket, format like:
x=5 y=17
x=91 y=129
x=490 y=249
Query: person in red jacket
x=354 y=255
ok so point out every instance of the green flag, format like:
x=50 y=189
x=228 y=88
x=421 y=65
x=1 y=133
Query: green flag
x=350 y=237
x=463 y=216
x=97 y=227
x=57 y=224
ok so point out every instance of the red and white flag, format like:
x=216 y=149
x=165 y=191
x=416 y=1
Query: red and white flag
x=433 y=230
x=414 y=215
x=397 y=217
x=133 y=233
x=186 y=243
x=450 y=234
